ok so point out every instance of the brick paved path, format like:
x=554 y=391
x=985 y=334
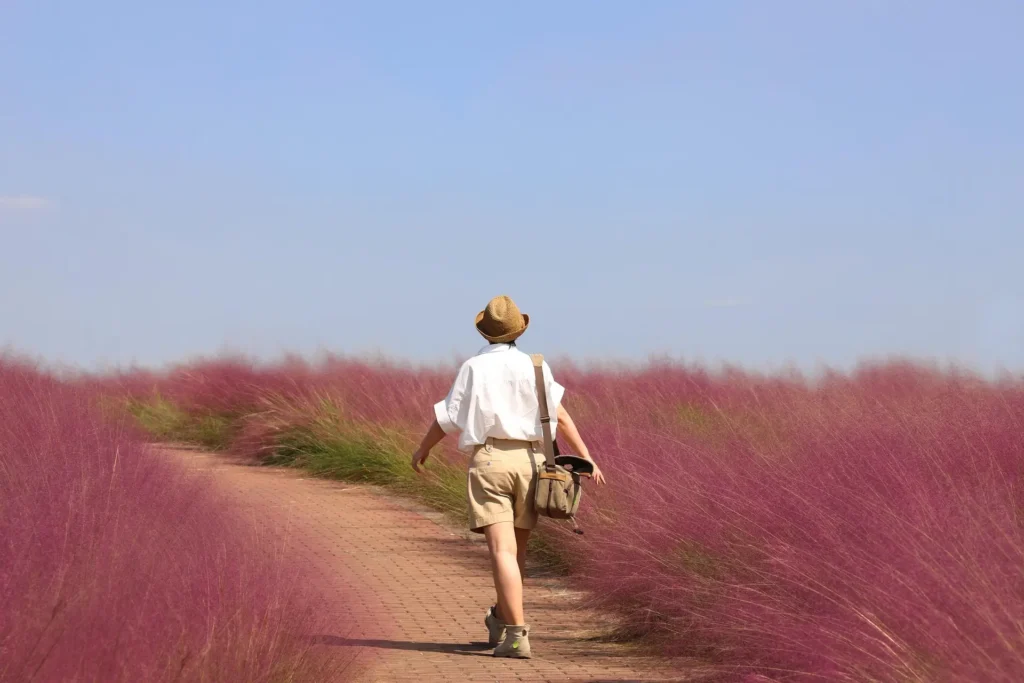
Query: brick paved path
x=415 y=589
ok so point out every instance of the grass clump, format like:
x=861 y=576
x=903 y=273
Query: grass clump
x=166 y=421
x=117 y=564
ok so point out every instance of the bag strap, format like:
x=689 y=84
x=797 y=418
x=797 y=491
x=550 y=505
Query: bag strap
x=545 y=416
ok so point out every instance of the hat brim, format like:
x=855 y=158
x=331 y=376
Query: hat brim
x=508 y=336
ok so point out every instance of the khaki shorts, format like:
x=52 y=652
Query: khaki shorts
x=501 y=485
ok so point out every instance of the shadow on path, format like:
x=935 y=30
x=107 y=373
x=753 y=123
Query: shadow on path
x=475 y=648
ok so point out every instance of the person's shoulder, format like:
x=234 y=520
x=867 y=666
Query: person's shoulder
x=547 y=367
x=521 y=356
x=527 y=358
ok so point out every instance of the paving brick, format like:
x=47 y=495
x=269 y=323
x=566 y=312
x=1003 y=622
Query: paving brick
x=408 y=592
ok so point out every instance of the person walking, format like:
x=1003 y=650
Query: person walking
x=493 y=407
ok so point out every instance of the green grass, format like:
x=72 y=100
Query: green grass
x=349 y=455
x=166 y=422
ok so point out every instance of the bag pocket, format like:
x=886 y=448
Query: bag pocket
x=558 y=492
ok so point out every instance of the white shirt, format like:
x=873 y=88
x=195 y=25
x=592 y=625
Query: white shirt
x=495 y=395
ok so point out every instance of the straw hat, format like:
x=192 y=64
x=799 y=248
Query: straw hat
x=501 y=321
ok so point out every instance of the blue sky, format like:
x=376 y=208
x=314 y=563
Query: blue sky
x=760 y=183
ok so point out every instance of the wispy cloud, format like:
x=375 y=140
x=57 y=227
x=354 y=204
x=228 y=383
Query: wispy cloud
x=727 y=302
x=23 y=202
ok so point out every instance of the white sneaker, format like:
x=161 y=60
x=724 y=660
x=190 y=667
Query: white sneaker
x=516 y=643
x=495 y=629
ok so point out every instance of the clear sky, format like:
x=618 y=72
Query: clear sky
x=756 y=182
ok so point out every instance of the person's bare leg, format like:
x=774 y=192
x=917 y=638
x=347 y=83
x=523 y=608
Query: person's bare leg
x=508 y=582
x=522 y=538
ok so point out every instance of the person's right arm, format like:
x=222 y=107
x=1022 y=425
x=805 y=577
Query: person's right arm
x=430 y=439
x=567 y=428
x=446 y=417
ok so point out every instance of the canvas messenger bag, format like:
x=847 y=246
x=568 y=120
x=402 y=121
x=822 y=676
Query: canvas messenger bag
x=558 y=488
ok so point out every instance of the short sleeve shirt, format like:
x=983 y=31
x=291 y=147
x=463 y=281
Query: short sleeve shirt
x=495 y=396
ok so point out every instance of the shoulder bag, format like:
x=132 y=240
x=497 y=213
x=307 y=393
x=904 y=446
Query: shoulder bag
x=558 y=488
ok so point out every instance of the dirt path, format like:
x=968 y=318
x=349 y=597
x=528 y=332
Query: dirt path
x=418 y=589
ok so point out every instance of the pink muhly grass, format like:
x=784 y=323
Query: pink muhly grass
x=118 y=565
x=871 y=535
x=859 y=527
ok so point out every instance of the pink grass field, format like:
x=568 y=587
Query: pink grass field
x=862 y=527
x=118 y=565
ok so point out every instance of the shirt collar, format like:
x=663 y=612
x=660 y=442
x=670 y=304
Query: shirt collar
x=494 y=348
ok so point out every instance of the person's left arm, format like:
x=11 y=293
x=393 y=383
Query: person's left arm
x=567 y=428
